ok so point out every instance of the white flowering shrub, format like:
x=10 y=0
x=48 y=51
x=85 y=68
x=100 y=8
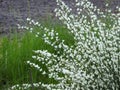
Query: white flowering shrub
x=93 y=62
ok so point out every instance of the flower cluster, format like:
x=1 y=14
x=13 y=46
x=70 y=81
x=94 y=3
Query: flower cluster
x=93 y=62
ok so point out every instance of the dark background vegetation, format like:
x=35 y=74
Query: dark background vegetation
x=16 y=11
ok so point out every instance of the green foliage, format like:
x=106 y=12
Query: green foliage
x=16 y=50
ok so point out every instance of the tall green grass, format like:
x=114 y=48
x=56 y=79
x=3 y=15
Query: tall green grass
x=16 y=50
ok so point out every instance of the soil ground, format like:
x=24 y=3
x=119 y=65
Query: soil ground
x=16 y=11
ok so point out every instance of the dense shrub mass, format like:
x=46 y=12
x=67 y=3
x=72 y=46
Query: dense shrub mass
x=93 y=62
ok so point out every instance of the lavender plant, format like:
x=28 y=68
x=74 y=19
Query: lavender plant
x=93 y=62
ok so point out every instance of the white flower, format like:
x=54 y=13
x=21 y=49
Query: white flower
x=34 y=57
x=28 y=19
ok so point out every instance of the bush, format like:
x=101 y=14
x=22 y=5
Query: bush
x=92 y=63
